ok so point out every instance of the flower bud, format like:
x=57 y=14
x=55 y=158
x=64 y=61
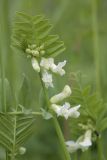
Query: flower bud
x=42 y=46
x=28 y=51
x=33 y=46
x=35 y=65
x=42 y=52
x=67 y=91
x=35 y=53
x=22 y=150
x=61 y=96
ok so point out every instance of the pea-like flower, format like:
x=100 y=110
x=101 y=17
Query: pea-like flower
x=83 y=142
x=66 y=111
x=59 y=68
x=48 y=64
x=61 y=96
x=35 y=64
x=86 y=141
x=47 y=79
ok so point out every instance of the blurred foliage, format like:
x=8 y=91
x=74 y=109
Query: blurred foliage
x=73 y=22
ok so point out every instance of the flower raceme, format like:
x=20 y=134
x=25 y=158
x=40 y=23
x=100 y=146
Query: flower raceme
x=47 y=65
x=83 y=142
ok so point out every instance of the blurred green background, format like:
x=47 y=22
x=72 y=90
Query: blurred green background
x=82 y=25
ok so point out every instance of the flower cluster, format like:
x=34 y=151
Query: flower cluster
x=46 y=65
x=83 y=142
x=65 y=110
x=35 y=51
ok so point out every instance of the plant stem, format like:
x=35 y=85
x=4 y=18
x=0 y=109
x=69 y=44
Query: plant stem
x=76 y=156
x=2 y=51
x=22 y=113
x=100 y=150
x=97 y=62
x=56 y=124
x=96 y=44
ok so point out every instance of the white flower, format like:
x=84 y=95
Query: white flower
x=86 y=141
x=61 y=96
x=72 y=146
x=46 y=63
x=58 y=68
x=47 y=79
x=66 y=111
x=35 y=64
x=83 y=142
x=56 y=108
x=61 y=110
x=73 y=112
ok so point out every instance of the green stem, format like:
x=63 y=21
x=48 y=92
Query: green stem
x=2 y=53
x=96 y=44
x=7 y=156
x=22 y=113
x=100 y=150
x=56 y=124
x=97 y=60
x=2 y=83
x=76 y=156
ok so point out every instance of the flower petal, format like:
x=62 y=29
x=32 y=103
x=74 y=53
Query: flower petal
x=61 y=96
x=47 y=79
x=35 y=64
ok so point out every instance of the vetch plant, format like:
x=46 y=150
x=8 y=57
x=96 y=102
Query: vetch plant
x=31 y=36
x=40 y=47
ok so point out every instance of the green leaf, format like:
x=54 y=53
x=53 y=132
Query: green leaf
x=103 y=113
x=93 y=109
x=8 y=92
x=102 y=125
x=14 y=131
x=29 y=30
x=22 y=91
